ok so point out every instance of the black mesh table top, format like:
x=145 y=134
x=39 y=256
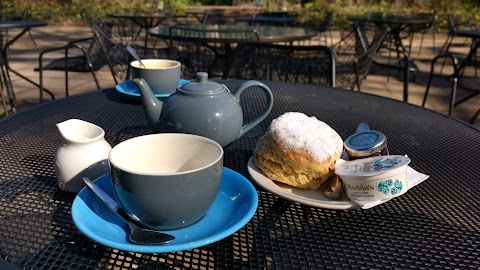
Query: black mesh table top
x=434 y=225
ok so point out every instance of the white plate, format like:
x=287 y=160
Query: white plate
x=313 y=198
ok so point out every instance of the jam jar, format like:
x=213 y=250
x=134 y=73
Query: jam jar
x=366 y=144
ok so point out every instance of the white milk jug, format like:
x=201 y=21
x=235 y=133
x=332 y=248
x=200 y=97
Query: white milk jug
x=83 y=152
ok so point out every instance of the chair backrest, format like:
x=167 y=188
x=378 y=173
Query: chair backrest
x=267 y=61
x=326 y=23
x=355 y=53
x=25 y=13
x=205 y=49
x=364 y=60
x=430 y=20
x=127 y=29
x=95 y=53
x=214 y=17
x=376 y=15
x=452 y=24
x=17 y=17
x=112 y=47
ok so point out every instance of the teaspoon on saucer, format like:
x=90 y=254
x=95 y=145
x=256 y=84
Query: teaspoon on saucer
x=141 y=236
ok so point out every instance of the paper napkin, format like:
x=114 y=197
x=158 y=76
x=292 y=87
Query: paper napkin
x=413 y=177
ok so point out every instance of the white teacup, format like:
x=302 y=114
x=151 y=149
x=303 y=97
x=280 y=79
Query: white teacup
x=162 y=75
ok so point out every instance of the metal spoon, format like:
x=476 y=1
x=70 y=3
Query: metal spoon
x=133 y=53
x=137 y=235
x=333 y=188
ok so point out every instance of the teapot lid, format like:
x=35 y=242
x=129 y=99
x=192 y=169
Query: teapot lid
x=202 y=84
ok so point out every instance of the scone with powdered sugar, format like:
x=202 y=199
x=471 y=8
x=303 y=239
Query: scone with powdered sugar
x=298 y=150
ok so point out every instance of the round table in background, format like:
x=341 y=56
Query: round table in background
x=265 y=33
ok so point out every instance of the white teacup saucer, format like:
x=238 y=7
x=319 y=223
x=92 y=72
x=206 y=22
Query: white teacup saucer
x=234 y=206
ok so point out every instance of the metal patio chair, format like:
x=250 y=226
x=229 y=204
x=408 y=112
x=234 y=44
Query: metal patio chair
x=423 y=29
x=205 y=49
x=267 y=61
x=87 y=57
x=355 y=53
x=113 y=48
x=458 y=77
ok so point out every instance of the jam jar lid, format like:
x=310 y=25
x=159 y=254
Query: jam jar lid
x=365 y=143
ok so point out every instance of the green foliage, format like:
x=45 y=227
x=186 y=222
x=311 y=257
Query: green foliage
x=215 y=2
x=70 y=11
x=315 y=11
x=176 y=6
x=311 y=11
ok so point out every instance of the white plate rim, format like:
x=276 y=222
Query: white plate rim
x=281 y=190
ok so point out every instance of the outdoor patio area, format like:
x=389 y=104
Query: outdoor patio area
x=253 y=136
x=24 y=58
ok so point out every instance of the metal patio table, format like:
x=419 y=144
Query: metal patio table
x=23 y=26
x=265 y=33
x=267 y=20
x=397 y=24
x=144 y=20
x=434 y=225
x=226 y=36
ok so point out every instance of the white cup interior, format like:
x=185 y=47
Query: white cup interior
x=167 y=153
x=156 y=64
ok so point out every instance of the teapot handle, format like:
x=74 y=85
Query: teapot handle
x=266 y=111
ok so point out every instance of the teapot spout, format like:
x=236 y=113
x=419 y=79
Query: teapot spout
x=151 y=105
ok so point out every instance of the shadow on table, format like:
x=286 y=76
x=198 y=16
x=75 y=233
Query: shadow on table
x=351 y=234
x=42 y=212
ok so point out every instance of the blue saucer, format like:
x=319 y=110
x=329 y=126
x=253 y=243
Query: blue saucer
x=236 y=202
x=128 y=88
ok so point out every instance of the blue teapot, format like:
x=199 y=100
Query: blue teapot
x=202 y=107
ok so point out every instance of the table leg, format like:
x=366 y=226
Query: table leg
x=31 y=81
x=407 y=60
x=143 y=23
x=8 y=85
x=475 y=117
x=6 y=68
x=146 y=24
x=399 y=43
x=2 y=96
x=406 y=79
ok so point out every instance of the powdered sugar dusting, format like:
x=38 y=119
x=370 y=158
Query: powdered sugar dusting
x=298 y=131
